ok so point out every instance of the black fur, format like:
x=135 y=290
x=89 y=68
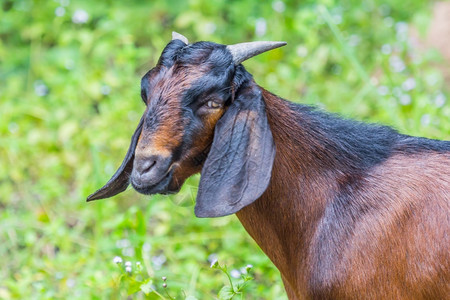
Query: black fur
x=238 y=168
x=360 y=146
x=345 y=144
x=349 y=146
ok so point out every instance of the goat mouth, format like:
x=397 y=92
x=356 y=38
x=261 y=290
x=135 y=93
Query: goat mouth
x=161 y=187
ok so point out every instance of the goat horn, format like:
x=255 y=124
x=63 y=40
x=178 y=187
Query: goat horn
x=244 y=51
x=177 y=36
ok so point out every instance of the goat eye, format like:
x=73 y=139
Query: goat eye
x=213 y=104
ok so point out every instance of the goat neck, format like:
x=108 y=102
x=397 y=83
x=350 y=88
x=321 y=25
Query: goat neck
x=283 y=220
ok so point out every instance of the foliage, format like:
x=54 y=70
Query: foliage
x=69 y=102
x=228 y=292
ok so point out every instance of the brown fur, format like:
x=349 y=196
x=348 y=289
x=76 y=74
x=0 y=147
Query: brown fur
x=397 y=249
x=191 y=163
x=167 y=85
x=343 y=212
x=388 y=238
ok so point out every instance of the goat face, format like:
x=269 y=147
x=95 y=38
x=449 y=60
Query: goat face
x=185 y=94
x=203 y=113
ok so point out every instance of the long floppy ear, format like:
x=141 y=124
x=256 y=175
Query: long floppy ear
x=121 y=179
x=238 y=168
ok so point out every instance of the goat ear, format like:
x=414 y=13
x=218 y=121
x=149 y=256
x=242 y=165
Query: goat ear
x=121 y=179
x=238 y=168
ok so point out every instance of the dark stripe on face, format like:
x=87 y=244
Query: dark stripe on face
x=208 y=84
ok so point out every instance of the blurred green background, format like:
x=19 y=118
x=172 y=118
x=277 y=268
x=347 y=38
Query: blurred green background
x=69 y=103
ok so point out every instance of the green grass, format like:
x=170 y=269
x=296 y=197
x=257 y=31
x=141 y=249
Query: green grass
x=69 y=102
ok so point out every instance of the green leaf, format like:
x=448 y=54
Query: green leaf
x=226 y=293
x=134 y=287
x=146 y=286
x=241 y=285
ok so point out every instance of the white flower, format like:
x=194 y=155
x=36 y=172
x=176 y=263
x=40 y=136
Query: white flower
x=385 y=10
x=128 y=269
x=432 y=79
x=105 y=89
x=425 y=120
x=409 y=84
x=386 y=49
x=246 y=269
x=235 y=273
x=383 y=90
x=13 y=127
x=128 y=252
x=146 y=247
x=123 y=243
x=212 y=257
x=69 y=64
x=117 y=260
x=440 y=99
x=80 y=16
x=128 y=264
x=354 y=40
x=278 y=6
x=59 y=275
x=397 y=64
x=260 y=27
x=158 y=261
x=70 y=283
x=302 y=51
x=210 y=28
x=337 y=19
x=405 y=99
x=40 y=88
x=60 y=11
x=388 y=21
x=402 y=30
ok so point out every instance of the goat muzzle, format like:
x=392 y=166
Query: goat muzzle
x=152 y=174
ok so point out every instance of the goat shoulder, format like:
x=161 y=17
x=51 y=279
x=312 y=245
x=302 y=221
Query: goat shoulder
x=353 y=209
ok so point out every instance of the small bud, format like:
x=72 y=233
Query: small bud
x=164 y=278
x=214 y=263
x=128 y=269
x=248 y=268
x=128 y=264
x=164 y=285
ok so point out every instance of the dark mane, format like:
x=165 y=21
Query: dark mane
x=357 y=144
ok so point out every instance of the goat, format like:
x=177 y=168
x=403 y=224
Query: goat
x=345 y=210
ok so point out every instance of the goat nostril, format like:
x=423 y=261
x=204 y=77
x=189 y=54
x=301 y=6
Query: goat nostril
x=148 y=166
